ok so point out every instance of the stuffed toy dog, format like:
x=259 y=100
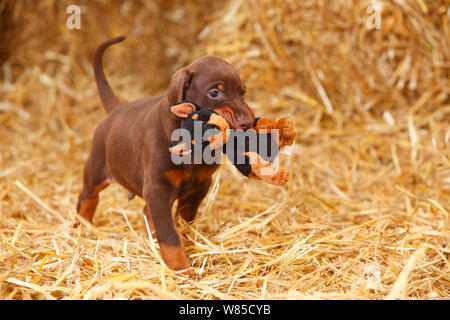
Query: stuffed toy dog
x=257 y=164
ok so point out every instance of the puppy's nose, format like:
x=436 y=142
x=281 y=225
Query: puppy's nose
x=245 y=123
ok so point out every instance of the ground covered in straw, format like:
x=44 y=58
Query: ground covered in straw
x=364 y=216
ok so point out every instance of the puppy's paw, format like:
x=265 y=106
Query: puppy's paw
x=180 y=149
x=189 y=272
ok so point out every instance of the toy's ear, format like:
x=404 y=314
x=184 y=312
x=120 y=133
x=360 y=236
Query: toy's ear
x=182 y=110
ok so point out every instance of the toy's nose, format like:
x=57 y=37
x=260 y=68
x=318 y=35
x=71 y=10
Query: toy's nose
x=245 y=123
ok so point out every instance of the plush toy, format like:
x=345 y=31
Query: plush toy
x=189 y=113
x=257 y=164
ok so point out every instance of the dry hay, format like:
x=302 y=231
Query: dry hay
x=365 y=215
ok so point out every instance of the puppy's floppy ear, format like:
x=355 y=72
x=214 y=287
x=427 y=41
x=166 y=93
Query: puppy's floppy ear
x=179 y=84
x=183 y=110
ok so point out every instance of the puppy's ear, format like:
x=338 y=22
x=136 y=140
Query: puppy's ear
x=182 y=110
x=179 y=84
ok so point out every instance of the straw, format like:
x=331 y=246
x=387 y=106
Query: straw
x=364 y=216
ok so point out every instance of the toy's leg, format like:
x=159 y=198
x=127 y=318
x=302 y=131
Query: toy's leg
x=220 y=138
x=264 y=170
x=180 y=149
x=285 y=127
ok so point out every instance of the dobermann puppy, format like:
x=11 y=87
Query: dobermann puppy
x=131 y=147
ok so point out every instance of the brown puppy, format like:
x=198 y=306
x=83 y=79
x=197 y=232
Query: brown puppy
x=131 y=147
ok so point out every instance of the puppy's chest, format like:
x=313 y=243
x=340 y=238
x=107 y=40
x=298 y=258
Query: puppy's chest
x=187 y=179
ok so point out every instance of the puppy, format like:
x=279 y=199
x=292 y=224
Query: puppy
x=131 y=147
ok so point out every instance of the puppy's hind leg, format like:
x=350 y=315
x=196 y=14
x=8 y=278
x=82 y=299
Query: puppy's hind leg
x=95 y=179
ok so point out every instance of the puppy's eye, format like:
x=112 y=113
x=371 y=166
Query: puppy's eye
x=214 y=93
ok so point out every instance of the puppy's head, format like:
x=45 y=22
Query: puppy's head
x=214 y=84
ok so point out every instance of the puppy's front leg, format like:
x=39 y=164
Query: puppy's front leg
x=160 y=196
x=188 y=206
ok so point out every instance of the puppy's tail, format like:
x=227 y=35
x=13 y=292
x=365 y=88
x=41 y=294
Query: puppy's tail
x=109 y=99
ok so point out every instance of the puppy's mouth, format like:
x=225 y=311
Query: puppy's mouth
x=229 y=115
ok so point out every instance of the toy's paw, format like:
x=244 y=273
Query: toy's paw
x=287 y=132
x=219 y=122
x=180 y=149
x=215 y=141
x=218 y=140
x=280 y=178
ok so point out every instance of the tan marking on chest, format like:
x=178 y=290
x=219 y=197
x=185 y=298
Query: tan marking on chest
x=204 y=174
x=176 y=177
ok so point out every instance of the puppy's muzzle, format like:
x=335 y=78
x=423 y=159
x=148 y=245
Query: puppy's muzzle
x=245 y=123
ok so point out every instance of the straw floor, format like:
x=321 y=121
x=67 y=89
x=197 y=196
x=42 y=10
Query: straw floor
x=364 y=216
